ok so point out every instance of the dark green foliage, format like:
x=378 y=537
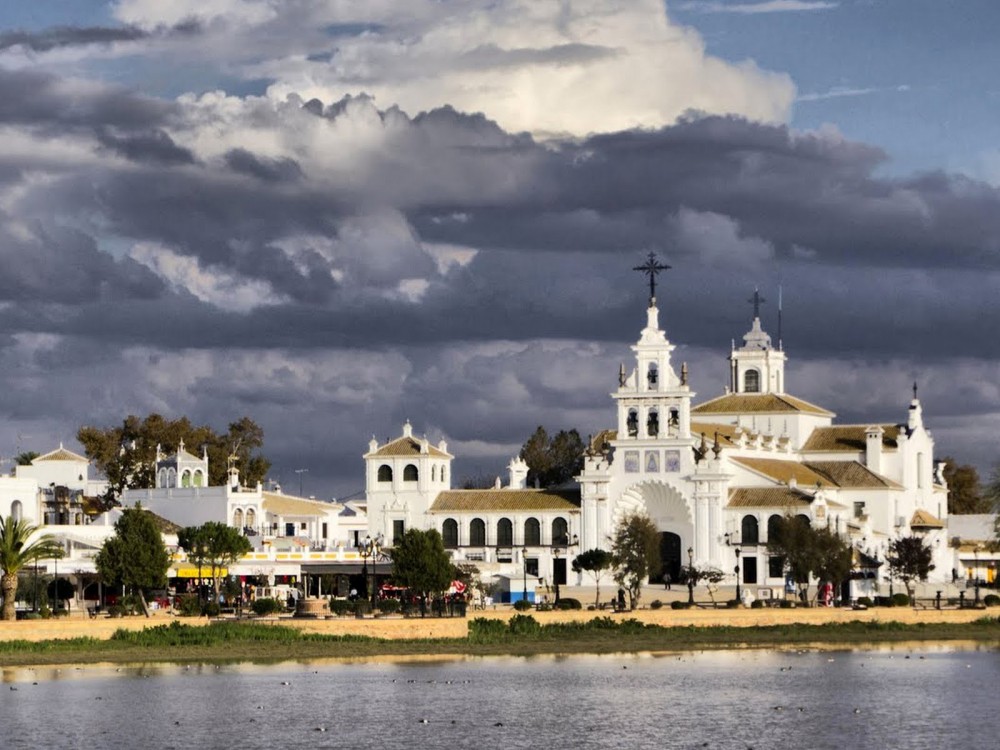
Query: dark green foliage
x=487 y=630
x=341 y=607
x=135 y=557
x=656 y=604
x=991 y=600
x=214 y=546
x=900 y=600
x=679 y=605
x=756 y=604
x=188 y=605
x=553 y=462
x=692 y=575
x=568 y=603
x=810 y=551
x=388 y=606
x=523 y=625
x=523 y=605
x=126 y=454
x=211 y=609
x=636 y=551
x=421 y=563
x=268 y=606
x=362 y=607
x=965 y=491
x=596 y=562
x=909 y=560
x=865 y=601
x=786 y=604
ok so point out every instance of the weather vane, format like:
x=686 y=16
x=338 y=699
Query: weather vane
x=651 y=267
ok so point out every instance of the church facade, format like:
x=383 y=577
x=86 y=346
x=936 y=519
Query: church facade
x=714 y=476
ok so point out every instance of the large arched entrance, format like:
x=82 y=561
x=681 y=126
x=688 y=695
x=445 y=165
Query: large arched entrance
x=670 y=558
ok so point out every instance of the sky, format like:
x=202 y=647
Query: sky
x=334 y=216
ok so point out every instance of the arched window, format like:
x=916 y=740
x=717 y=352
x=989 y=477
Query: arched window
x=443 y=474
x=16 y=510
x=633 y=423
x=653 y=423
x=749 y=530
x=251 y=519
x=171 y=478
x=751 y=381
x=652 y=376
x=186 y=478
x=199 y=478
x=532 y=532
x=505 y=533
x=162 y=478
x=477 y=533
x=410 y=473
x=449 y=533
x=238 y=518
x=803 y=519
x=434 y=473
x=385 y=473
x=559 y=531
x=773 y=526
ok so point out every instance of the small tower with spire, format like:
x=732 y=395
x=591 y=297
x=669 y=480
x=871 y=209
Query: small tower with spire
x=756 y=367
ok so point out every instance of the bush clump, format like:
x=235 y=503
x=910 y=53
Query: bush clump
x=361 y=607
x=679 y=605
x=522 y=605
x=389 y=606
x=655 y=604
x=786 y=604
x=211 y=609
x=188 y=605
x=865 y=601
x=341 y=607
x=267 y=606
x=991 y=600
x=523 y=625
x=568 y=603
x=901 y=600
x=757 y=604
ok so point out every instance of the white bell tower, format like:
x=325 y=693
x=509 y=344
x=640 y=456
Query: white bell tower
x=756 y=367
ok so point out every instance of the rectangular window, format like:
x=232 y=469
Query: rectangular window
x=859 y=510
x=749 y=570
x=398 y=529
x=775 y=567
x=325 y=534
x=531 y=565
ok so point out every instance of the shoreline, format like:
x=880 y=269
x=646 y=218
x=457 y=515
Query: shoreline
x=75 y=642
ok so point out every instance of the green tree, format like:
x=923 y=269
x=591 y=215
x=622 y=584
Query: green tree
x=965 y=492
x=636 y=550
x=24 y=458
x=833 y=557
x=692 y=575
x=215 y=545
x=17 y=550
x=596 y=562
x=793 y=541
x=126 y=454
x=135 y=557
x=554 y=461
x=909 y=560
x=421 y=563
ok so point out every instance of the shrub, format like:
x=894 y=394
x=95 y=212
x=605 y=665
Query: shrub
x=188 y=605
x=568 y=603
x=592 y=608
x=757 y=604
x=732 y=604
x=115 y=610
x=522 y=605
x=523 y=625
x=211 y=609
x=865 y=601
x=389 y=606
x=267 y=606
x=991 y=600
x=679 y=605
x=362 y=607
x=486 y=630
x=786 y=604
x=901 y=600
x=341 y=607
x=655 y=604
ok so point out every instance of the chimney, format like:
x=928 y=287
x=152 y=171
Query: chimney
x=518 y=468
x=873 y=448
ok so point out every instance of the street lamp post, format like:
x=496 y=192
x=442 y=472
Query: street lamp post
x=690 y=575
x=370 y=549
x=524 y=569
x=976 y=575
x=556 y=553
x=739 y=597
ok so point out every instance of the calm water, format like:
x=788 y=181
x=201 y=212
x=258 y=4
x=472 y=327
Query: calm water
x=892 y=698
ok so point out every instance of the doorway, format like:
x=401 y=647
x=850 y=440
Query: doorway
x=670 y=558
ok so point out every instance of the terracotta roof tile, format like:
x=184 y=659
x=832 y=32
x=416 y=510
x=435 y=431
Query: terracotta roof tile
x=785 y=471
x=758 y=403
x=924 y=520
x=503 y=500
x=768 y=497
x=288 y=505
x=849 y=437
x=407 y=446
x=61 y=454
x=851 y=474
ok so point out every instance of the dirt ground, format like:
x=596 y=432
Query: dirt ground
x=398 y=628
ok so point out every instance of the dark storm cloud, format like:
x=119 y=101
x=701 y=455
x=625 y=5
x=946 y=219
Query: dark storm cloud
x=152 y=146
x=76 y=36
x=268 y=170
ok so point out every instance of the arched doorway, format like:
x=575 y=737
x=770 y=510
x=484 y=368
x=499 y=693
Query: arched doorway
x=671 y=559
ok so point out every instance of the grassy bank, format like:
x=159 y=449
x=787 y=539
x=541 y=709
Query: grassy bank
x=521 y=635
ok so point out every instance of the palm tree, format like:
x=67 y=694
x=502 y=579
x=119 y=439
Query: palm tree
x=16 y=553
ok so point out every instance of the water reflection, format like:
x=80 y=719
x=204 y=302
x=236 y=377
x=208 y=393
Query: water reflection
x=914 y=697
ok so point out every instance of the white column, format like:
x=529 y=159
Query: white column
x=701 y=546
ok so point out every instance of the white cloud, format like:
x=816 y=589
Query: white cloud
x=716 y=238
x=216 y=287
x=542 y=66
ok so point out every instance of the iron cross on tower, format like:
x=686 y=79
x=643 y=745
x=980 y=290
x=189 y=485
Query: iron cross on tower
x=651 y=267
x=757 y=301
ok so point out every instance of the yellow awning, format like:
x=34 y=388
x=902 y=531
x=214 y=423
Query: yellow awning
x=191 y=571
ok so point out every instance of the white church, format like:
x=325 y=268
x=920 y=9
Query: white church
x=713 y=476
